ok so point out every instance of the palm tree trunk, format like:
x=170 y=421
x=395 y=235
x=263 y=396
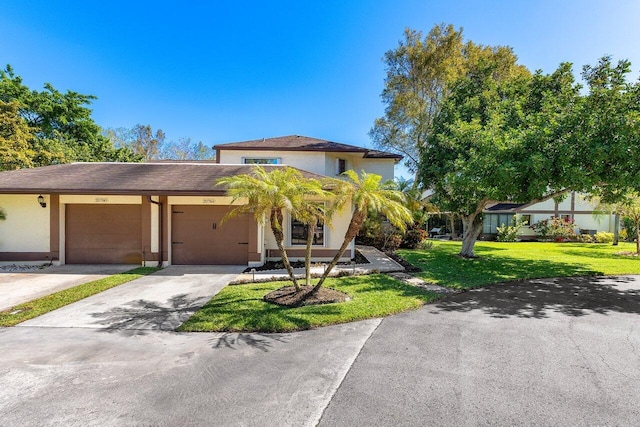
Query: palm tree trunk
x=357 y=219
x=276 y=227
x=311 y=230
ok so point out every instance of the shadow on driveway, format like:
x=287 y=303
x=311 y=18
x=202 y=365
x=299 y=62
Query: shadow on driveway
x=576 y=296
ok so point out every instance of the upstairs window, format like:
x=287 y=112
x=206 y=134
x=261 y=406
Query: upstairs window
x=261 y=160
x=341 y=166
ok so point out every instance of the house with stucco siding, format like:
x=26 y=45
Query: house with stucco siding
x=167 y=212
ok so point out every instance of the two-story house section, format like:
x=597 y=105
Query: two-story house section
x=310 y=154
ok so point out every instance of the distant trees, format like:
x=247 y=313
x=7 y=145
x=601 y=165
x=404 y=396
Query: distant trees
x=49 y=127
x=142 y=140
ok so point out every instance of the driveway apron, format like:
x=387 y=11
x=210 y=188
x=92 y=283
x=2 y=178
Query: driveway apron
x=160 y=301
x=19 y=287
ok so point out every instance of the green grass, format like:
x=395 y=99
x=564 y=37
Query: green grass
x=40 y=306
x=502 y=262
x=240 y=308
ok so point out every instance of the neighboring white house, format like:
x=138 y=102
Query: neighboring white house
x=574 y=207
x=134 y=213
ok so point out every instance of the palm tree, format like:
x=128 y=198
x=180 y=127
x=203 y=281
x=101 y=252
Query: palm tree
x=366 y=194
x=310 y=213
x=268 y=194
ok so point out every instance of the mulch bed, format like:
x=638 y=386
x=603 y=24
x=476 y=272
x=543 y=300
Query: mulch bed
x=278 y=265
x=408 y=267
x=288 y=297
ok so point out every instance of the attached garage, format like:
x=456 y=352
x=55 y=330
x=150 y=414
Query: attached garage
x=103 y=234
x=199 y=237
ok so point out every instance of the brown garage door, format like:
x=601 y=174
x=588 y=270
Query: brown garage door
x=103 y=234
x=198 y=237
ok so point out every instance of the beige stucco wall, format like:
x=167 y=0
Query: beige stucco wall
x=26 y=228
x=100 y=199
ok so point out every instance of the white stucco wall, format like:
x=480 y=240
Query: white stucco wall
x=333 y=236
x=316 y=162
x=305 y=160
x=27 y=227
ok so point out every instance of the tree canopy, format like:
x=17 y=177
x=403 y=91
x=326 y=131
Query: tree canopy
x=506 y=135
x=57 y=127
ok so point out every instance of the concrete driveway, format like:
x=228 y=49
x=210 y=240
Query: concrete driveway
x=19 y=287
x=563 y=352
x=161 y=301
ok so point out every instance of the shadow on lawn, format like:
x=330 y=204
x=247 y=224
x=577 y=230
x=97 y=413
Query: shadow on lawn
x=575 y=296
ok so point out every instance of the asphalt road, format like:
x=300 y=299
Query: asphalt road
x=548 y=352
x=533 y=353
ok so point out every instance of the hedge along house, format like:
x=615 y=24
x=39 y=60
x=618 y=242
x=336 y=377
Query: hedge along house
x=139 y=213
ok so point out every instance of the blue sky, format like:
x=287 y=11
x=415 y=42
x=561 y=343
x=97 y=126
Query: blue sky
x=223 y=71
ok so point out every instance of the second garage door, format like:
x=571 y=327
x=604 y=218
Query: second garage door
x=198 y=237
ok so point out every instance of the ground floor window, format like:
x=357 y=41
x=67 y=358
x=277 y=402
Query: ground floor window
x=493 y=221
x=300 y=231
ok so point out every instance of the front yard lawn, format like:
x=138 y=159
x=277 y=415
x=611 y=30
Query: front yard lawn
x=503 y=262
x=240 y=308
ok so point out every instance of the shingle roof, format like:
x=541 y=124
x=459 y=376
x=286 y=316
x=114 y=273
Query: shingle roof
x=304 y=143
x=505 y=207
x=124 y=178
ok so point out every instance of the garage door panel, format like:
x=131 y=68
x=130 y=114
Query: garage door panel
x=103 y=234
x=200 y=237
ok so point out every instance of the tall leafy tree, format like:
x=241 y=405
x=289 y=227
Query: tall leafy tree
x=502 y=135
x=60 y=123
x=420 y=72
x=365 y=193
x=15 y=138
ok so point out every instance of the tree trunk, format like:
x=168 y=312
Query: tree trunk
x=453 y=226
x=471 y=229
x=276 y=227
x=357 y=219
x=311 y=230
x=616 y=229
x=638 y=237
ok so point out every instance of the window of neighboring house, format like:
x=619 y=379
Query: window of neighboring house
x=342 y=166
x=526 y=218
x=261 y=160
x=493 y=221
x=300 y=231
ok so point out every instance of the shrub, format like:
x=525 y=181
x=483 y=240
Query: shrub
x=425 y=245
x=586 y=238
x=509 y=233
x=555 y=228
x=412 y=237
x=603 y=237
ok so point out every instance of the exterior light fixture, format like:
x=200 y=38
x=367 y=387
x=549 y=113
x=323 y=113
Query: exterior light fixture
x=41 y=201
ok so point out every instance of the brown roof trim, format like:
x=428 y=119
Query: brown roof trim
x=304 y=143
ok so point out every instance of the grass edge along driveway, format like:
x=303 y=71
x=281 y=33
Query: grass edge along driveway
x=240 y=308
x=37 y=307
x=504 y=262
